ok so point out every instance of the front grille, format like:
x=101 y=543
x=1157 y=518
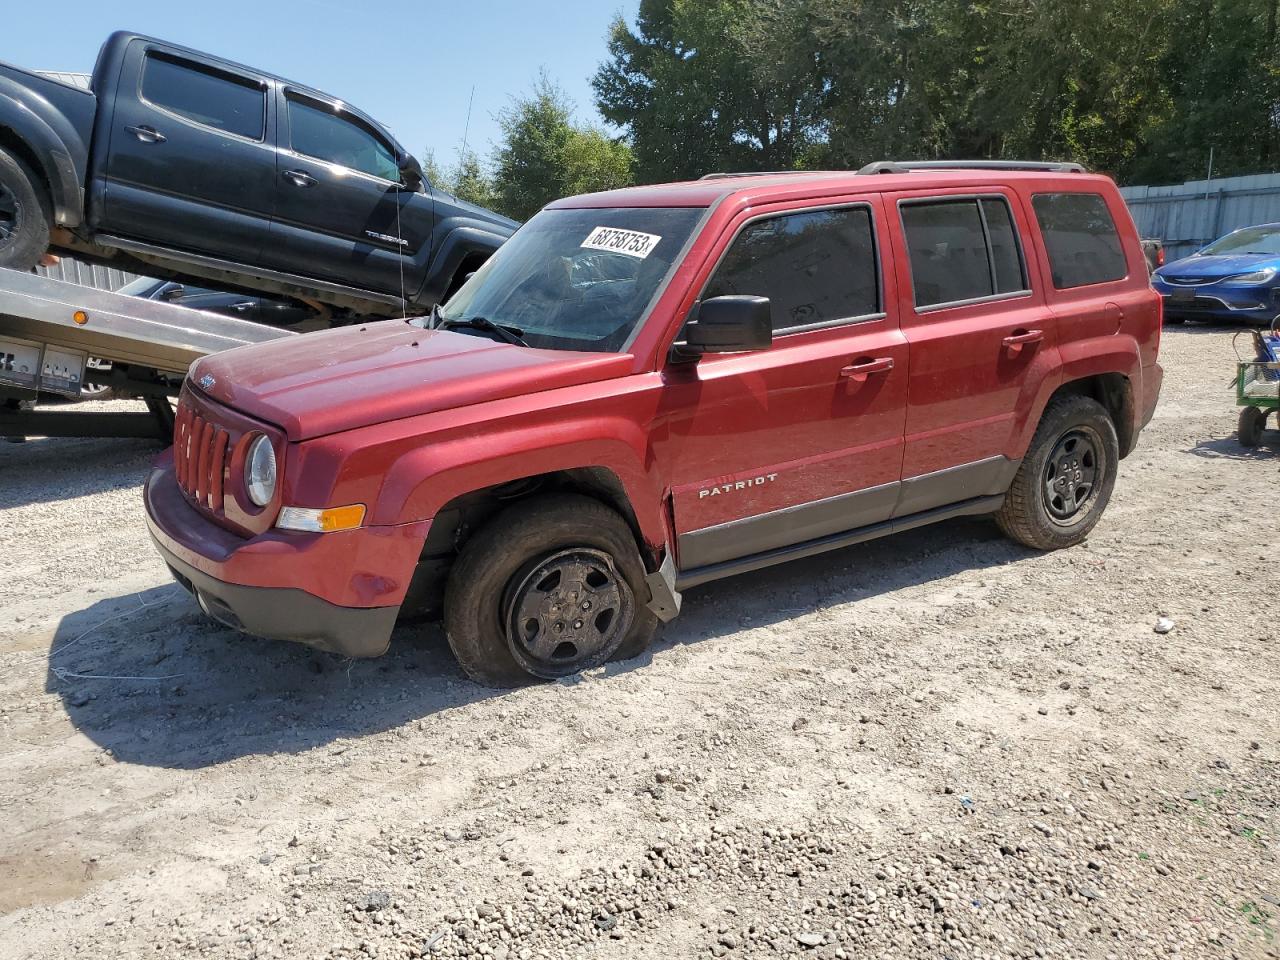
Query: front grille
x=1192 y=281
x=200 y=458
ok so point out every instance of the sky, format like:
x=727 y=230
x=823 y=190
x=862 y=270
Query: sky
x=411 y=65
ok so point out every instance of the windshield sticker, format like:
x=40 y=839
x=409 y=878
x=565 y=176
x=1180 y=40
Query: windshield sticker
x=631 y=243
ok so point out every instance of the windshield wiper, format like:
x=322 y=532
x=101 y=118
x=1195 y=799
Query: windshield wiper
x=504 y=333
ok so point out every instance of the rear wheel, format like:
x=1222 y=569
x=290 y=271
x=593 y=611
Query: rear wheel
x=1065 y=481
x=550 y=587
x=24 y=215
x=1249 y=429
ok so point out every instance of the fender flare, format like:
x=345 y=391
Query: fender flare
x=457 y=245
x=420 y=483
x=48 y=144
x=1082 y=360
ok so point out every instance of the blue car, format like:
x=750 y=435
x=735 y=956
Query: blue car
x=1236 y=278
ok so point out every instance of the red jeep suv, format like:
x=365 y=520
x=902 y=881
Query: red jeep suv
x=651 y=388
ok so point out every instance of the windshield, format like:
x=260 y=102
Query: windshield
x=1249 y=240
x=577 y=279
x=140 y=286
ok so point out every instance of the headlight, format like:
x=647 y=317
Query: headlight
x=260 y=471
x=1258 y=276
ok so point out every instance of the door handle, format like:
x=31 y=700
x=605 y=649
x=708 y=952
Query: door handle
x=1016 y=341
x=300 y=178
x=859 y=371
x=242 y=306
x=147 y=134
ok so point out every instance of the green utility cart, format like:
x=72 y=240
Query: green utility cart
x=1258 y=387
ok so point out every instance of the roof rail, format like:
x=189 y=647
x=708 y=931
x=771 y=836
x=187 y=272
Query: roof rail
x=907 y=166
x=758 y=173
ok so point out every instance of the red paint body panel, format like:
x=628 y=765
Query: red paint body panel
x=405 y=420
x=369 y=567
x=356 y=376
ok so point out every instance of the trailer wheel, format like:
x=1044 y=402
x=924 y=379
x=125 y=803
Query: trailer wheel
x=24 y=215
x=550 y=587
x=1249 y=429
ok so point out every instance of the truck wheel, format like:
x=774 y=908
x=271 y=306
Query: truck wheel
x=1066 y=478
x=1249 y=429
x=24 y=215
x=550 y=587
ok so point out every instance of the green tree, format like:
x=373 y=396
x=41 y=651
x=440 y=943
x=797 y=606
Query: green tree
x=703 y=85
x=472 y=183
x=592 y=160
x=544 y=155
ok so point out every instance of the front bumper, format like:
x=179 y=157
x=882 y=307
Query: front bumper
x=1219 y=301
x=339 y=592
x=285 y=614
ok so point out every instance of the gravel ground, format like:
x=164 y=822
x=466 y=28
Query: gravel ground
x=938 y=745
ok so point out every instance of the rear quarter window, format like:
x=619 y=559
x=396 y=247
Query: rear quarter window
x=1081 y=239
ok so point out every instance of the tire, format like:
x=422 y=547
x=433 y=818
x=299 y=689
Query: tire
x=25 y=217
x=1249 y=428
x=499 y=629
x=1074 y=454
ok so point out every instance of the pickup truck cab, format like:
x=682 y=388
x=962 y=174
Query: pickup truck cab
x=186 y=166
x=651 y=388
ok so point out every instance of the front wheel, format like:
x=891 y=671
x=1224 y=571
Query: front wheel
x=24 y=215
x=1065 y=481
x=550 y=587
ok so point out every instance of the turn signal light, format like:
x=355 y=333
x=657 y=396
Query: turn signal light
x=328 y=520
x=80 y=317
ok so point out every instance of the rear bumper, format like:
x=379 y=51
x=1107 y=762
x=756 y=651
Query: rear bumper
x=1152 y=380
x=336 y=591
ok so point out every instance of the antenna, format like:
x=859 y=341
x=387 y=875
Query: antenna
x=404 y=303
x=466 y=130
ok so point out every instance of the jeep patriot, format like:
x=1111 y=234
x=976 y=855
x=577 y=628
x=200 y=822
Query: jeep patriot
x=650 y=388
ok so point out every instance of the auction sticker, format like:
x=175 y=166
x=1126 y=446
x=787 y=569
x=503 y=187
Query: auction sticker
x=632 y=243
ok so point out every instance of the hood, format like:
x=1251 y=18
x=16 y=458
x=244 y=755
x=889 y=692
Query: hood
x=1218 y=266
x=334 y=380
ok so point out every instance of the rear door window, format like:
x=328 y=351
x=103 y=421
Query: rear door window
x=210 y=97
x=962 y=250
x=1081 y=239
x=320 y=133
x=817 y=267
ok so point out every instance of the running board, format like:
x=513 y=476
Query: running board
x=716 y=571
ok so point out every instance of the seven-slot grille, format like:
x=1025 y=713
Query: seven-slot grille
x=200 y=453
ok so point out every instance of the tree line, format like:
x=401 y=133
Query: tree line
x=1140 y=89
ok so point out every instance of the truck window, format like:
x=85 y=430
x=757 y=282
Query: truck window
x=962 y=250
x=1081 y=239
x=212 y=98
x=322 y=134
x=817 y=268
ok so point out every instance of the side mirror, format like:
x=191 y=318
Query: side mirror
x=734 y=324
x=411 y=174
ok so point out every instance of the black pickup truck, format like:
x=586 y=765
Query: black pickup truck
x=185 y=166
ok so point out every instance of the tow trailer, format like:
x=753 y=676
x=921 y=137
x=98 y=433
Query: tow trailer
x=55 y=335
